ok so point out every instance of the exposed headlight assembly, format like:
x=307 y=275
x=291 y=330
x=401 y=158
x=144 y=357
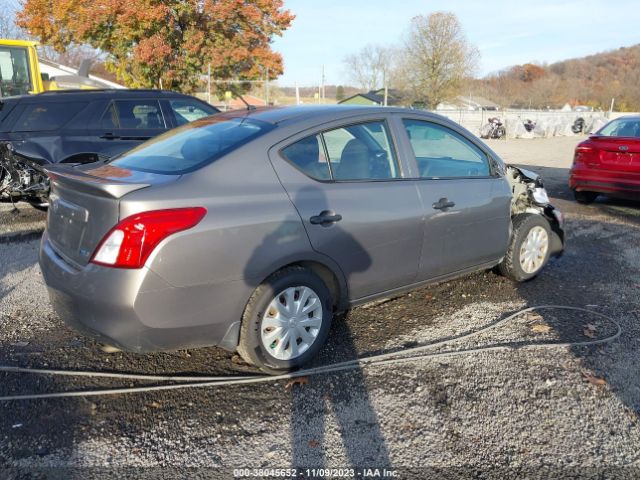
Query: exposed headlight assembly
x=539 y=195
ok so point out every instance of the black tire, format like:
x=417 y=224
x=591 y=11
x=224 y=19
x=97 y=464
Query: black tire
x=522 y=224
x=251 y=348
x=500 y=132
x=584 y=196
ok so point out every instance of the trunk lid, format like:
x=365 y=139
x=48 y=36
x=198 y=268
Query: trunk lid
x=84 y=205
x=618 y=153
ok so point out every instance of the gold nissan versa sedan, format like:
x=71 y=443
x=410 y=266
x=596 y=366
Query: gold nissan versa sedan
x=249 y=230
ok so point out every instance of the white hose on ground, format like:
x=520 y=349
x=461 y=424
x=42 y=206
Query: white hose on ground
x=391 y=358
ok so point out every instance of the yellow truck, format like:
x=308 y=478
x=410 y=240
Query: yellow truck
x=19 y=68
x=20 y=72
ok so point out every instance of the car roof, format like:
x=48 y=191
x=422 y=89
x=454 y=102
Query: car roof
x=280 y=115
x=93 y=94
x=628 y=117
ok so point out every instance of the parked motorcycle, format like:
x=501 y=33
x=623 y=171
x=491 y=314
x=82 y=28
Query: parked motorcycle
x=493 y=129
x=578 y=125
x=529 y=125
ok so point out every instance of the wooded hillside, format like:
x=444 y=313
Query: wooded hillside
x=591 y=80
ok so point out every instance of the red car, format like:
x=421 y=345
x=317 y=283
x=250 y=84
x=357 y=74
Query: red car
x=608 y=162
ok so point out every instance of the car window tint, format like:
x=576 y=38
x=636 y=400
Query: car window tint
x=308 y=155
x=186 y=111
x=47 y=116
x=192 y=146
x=361 y=152
x=442 y=152
x=139 y=114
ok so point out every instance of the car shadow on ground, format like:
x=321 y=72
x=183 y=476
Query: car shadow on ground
x=325 y=400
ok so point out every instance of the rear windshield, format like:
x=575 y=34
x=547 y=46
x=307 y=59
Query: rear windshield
x=621 y=128
x=192 y=146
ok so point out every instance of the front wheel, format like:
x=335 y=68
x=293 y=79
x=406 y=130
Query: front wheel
x=286 y=321
x=529 y=250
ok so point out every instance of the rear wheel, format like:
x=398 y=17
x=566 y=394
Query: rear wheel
x=584 y=197
x=286 y=321
x=529 y=250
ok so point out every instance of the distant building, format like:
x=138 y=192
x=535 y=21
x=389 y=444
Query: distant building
x=57 y=70
x=374 y=97
x=462 y=102
x=234 y=103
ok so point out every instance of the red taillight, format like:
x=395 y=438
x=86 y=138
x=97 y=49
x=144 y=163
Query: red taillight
x=584 y=149
x=130 y=242
x=585 y=153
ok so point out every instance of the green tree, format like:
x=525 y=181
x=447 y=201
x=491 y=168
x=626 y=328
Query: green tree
x=166 y=43
x=339 y=93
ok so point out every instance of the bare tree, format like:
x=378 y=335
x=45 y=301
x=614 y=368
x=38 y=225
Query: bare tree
x=437 y=59
x=369 y=67
x=8 y=27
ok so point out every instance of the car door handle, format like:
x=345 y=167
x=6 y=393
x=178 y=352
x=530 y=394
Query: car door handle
x=141 y=138
x=443 y=204
x=326 y=217
x=110 y=136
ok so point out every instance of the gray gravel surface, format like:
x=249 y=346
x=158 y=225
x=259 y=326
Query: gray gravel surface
x=20 y=221
x=522 y=413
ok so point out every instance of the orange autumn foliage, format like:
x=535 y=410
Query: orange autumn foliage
x=168 y=43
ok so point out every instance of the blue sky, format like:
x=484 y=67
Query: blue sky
x=505 y=32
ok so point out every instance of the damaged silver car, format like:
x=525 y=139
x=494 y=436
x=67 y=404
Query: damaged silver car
x=250 y=230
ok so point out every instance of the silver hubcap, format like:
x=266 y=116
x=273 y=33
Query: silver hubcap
x=534 y=250
x=291 y=323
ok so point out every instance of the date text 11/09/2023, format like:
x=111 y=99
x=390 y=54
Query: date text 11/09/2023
x=314 y=473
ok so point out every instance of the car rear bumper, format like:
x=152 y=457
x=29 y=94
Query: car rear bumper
x=135 y=310
x=604 y=181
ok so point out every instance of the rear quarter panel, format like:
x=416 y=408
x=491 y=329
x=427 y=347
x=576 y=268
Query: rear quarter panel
x=250 y=228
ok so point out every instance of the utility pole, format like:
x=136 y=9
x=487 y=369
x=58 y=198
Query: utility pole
x=386 y=88
x=209 y=83
x=266 y=88
x=611 y=108
x=321 y=92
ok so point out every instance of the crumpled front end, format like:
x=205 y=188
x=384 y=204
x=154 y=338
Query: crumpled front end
x=530 y=196
x=21 y=177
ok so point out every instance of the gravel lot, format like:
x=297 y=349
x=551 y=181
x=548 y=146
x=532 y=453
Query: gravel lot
x=522 y=413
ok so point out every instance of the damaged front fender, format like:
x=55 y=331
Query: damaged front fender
x=22 y=177
x=530 y=196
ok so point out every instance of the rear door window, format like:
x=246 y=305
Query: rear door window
x=48 y=116
x=308 y=155
x=133 y=115
x=361 y=152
